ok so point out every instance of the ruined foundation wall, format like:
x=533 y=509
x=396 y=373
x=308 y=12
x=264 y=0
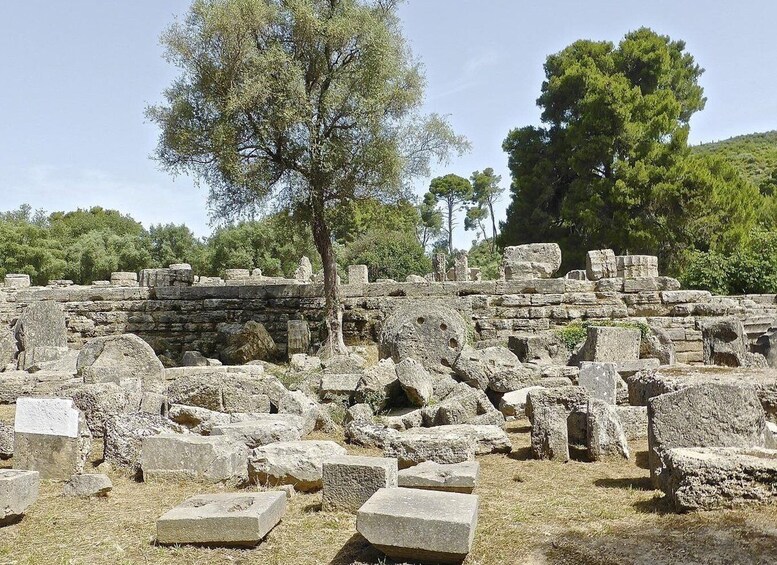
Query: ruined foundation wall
x=175 y=319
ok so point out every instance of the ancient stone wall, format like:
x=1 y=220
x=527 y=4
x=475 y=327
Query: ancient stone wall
x=178 y=318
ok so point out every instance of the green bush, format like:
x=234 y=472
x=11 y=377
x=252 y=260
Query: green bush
x=488 y=261
x=575 y=333
x=387 y=254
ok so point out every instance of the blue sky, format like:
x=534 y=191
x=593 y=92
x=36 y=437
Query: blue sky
x=77 y=75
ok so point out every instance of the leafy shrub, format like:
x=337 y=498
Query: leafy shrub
x=387 y=254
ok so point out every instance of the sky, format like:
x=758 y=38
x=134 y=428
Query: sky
x=76 y=76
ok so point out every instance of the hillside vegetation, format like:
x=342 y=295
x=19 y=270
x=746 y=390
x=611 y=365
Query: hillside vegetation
x=754 y=155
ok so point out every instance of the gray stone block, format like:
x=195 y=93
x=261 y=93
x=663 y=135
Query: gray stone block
x=417 y=525
x=453 y=477
x=349 y=481
x=600 y=380
x=298 y=463
x=189 y=456
x=227 y=519
x=272 y=428
x=88 y=485
x=604 y=432
x=611 y=344
x=18 y=490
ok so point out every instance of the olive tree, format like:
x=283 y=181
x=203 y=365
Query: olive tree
x=298 y=104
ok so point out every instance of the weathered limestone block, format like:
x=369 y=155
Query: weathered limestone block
x=271 y=428
x=514 y=403
x=576 y=275
x=368 y=434
x=189 y=456
x=6 y=441
x=461 y=267
x=304 y=363
x=659 y=345
x=358 y=274
x=711 y=478
x=362 y=412
x=636 y=266
x=41 y=324
x=530 y=261
x=100 y=400
x=16 y=280
x=249 y=342
x=428 y=332
x=125 y=360
x=299 y=404
x=88 y=485
x=342 y=364
x=51 y=437
x=415 y=381
x=349 y=481
x=767 y=346
x=446 y=444
x=439 y=261
x=707 y=415
x=476 y=366
x=724 y=342
x=454 y=477
x=601 y=264
x=611 y=344
x=18 y=490
x=549 y=433
x=197 y=420
x=600 y=380
x=178 y=275
x=194 y=359
x=379 y=385
x=338 y=387
x=634 y=420
x=124 y=433
x=8 y=347
x=416 y=525
x=297 y=463
x=605 y=434
x=542 y=348
x=297 y=337
x=236 y=274
x=123 y=278
x=224 y=519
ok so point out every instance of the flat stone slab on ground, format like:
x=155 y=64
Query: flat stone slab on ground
x=189 y=456
x=88 y=485
x=417 y=525
x=298 y=463
x=712 y=478
x=18 y=490
x=455 y=477
x=349 y=481
x=228 y=519
x=264 y=430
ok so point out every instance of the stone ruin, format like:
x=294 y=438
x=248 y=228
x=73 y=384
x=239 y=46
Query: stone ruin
x=216 y=380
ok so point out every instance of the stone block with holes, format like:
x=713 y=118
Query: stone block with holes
x=225 y=519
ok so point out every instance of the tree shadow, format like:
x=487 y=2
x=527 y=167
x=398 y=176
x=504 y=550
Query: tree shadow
x=357 y=548
x=635 y=483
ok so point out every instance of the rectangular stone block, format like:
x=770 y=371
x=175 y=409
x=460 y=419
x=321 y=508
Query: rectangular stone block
x=228 y=519
x=600 y=264
x=637 y=266
x=614 y=344
x=350 y=481
x=18 y=490
x=188 y=456
x=298 y=337
x=358 y=274
x=418 y=525
x=600 y=380
x=455 y=477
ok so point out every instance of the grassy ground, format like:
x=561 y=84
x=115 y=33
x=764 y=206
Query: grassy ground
x=530 y=512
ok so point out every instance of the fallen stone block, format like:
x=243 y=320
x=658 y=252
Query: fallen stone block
x=121 y=359
x=605 y=435
x=549 y=433
x=123 y=437
x=88 y=485
x=18 y=490
x=417 y=525
x=724 y=342
x=531 y=261
x=224 y=519
x=41 y=324
x=476 y=366
x=600 y=380
x=709 y=415
x=514 y=403
x=349 y=481
x=197 y=420
x=6 y=441
x=636 y=266
x=368 y=434
x=415 y=381
x=611 y=344
x=711 y=478
x=454 y=477
x=634 y=420
x=272 y=428
x=189 y=456
x=99 y=400
x=339 y=387
x=297 y=463
x=51 y=437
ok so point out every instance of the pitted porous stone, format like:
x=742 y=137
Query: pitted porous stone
x=124 y=434
x=724 y=342
x=601 y=264
x=611 y=344
x=542 y=348
x=634 y=420
x=417 y=525
x=121 y=359
x=349 y=481
x=224 y=519
x=88 y=485
x=272 y=428
x=708 y=415
x=358 y=274
x=6 y=441
x=196 y=419
x=455 y=477
x=657 y=344
x=100 y=400
x=637 y=266
x=605 y=435
x=600 y=380
x=367 y=434
x=549 y=433
x=476 y=366
x=18 y=490
x=51 y=437
x=189 y=456
x=379 y=385
x=297 y=463
x=446 y=444
x=711 y=478
x=304 y=272
x=16 y=280
x=415 y=381
x=41 y=324
x=428 y=332
x=531 y=261
x=8 y=348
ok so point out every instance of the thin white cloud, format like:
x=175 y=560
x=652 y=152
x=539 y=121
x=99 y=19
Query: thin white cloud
x=475 y=63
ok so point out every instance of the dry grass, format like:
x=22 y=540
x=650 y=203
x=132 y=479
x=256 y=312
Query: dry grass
x=530 y=512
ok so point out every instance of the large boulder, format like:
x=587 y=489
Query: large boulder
x=297 y=463
x=125 y=360
x=249 y=342
x=258 y=429
x=711 y=478
x=124 y=433
x=476 y=367
x=446 y=444
x=220 y=391
x=531 y=261
x=99 y=400
x=379 y=385
x=430 y=333
x=708 y=415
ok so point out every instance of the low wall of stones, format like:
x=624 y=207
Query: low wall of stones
x=178 y=318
